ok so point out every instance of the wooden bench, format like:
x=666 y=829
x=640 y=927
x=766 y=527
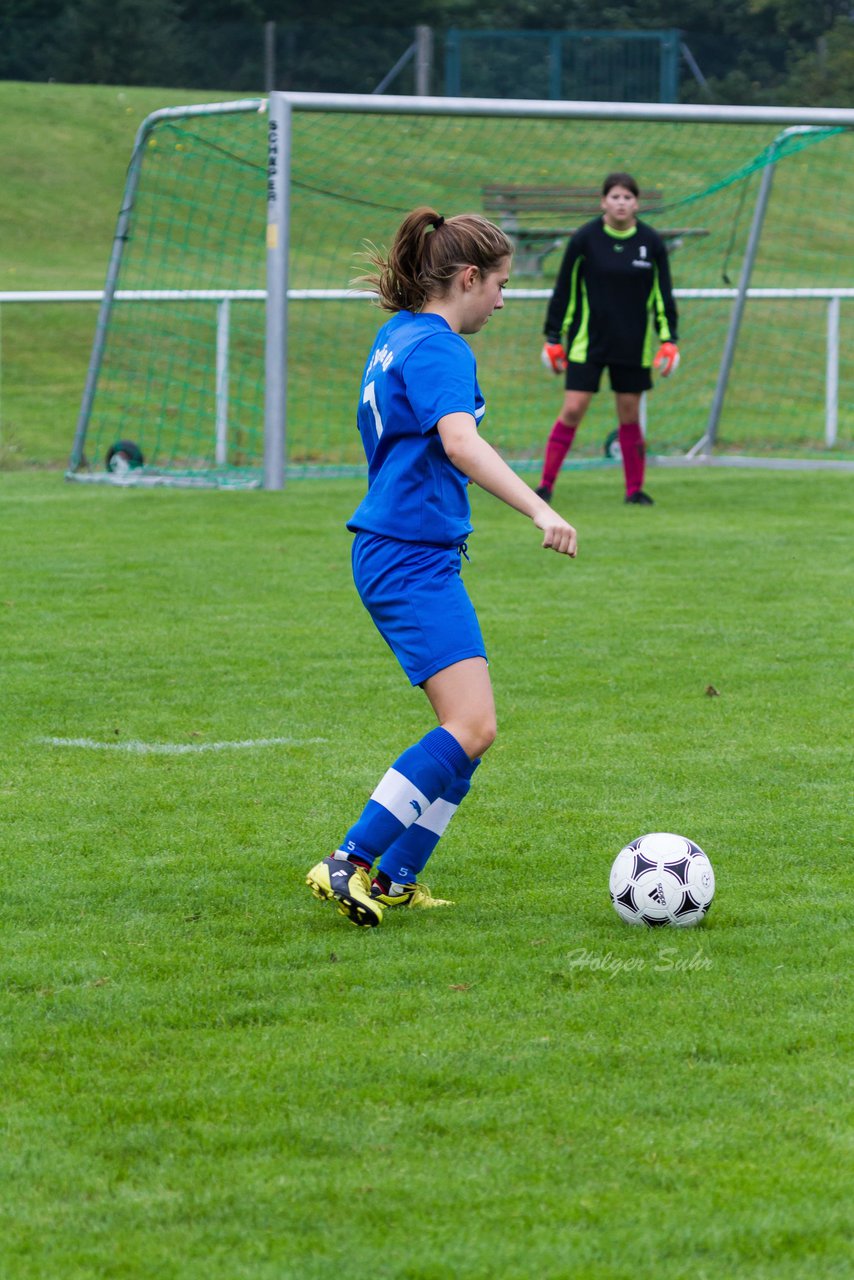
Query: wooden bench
x=541 y=219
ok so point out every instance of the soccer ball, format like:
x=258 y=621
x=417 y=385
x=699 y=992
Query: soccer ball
x=662 y=879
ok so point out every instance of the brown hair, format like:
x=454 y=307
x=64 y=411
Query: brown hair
x=620 y=180
x=428 y=251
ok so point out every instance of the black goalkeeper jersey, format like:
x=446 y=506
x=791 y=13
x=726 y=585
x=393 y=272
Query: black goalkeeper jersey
x=613 y=300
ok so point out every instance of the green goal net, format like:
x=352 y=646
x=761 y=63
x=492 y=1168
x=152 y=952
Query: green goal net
x=179 y=367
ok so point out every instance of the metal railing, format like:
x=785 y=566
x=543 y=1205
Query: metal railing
x=223 y=298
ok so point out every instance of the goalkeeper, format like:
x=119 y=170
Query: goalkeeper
x=612 y=305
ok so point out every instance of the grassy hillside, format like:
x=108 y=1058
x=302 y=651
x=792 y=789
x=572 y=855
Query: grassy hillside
x=64 y=153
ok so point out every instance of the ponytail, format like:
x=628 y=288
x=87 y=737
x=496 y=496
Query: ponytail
x=428 y=251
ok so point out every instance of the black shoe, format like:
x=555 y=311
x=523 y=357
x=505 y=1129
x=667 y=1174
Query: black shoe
x=544 y=492
x=640 y=499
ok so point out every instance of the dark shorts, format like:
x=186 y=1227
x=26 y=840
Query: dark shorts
x=416 y=597
x=632 y=378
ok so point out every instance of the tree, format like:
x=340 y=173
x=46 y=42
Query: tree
x=92 y=40
x=825 y=77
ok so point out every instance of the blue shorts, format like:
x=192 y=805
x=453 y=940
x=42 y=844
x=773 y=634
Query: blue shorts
x=416 y=597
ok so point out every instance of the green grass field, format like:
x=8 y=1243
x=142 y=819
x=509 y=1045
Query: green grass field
x=209 y=1074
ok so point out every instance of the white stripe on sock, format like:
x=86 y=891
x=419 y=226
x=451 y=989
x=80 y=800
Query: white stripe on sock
x=437 y=816
x=401 y=797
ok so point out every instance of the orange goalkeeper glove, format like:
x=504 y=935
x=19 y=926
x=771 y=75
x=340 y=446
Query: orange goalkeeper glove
x=554 y=357
x=667 y=359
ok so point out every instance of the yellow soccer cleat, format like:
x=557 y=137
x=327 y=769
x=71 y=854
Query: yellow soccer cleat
x=337 y=880
x=406 y=895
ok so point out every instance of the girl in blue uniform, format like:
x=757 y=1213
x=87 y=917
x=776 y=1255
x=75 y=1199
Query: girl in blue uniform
x=418 y=415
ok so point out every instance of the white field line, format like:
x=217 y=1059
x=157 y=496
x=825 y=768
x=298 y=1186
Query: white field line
x=176 y=748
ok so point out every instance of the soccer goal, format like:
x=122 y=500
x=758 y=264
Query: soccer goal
x=231 y=335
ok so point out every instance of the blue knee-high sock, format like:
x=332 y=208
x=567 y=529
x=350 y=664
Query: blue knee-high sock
x=406 y=791
x=404 y=861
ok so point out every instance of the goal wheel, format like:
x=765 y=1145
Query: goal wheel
x=124 y=455
x=612 y=446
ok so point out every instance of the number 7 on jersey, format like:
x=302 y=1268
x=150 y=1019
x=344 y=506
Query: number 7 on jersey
x=369 y=396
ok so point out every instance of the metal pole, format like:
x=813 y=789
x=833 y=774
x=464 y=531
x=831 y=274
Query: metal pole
x=694 y=68
x=269 y=57
x=276 y=345
x=669 y=66
x=105 y=310
x=389 y=76
x=544 y=109
x=453 y=78
x=740 y=298
x=831 y=407
x=423 y=60
x=555 y=47
x=223 y=327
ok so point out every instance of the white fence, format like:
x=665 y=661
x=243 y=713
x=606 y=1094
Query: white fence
x=223 y=299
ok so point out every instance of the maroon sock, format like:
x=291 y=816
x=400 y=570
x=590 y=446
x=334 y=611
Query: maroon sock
x=633 y=450
x=560 y=439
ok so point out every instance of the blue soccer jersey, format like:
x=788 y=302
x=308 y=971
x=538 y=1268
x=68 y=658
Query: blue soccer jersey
x=418 y=371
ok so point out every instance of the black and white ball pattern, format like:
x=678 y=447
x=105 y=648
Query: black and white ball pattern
x=661 y=879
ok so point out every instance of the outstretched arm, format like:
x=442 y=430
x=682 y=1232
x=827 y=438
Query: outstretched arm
x=471 y=454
